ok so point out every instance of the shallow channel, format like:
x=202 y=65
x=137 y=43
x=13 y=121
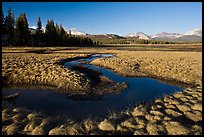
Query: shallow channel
x=57 y=104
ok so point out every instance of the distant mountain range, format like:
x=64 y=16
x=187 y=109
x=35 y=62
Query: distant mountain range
x=194 y=35
x=189 y=36
x=105 y=36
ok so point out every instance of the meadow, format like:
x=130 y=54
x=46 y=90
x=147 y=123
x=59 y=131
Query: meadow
x=176 y=114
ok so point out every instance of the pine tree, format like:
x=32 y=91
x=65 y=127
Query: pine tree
x=19 y=30
x=9 y=27
x=63 y=35
x=27 y=31
x=58 y=39
x=3 y=29
x=50 y=33
x=57 y=29
x=22 y=34
x=2 y=17
x=39 y=26
x=39 y=33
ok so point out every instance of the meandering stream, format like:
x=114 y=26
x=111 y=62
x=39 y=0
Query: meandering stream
x=57 y=104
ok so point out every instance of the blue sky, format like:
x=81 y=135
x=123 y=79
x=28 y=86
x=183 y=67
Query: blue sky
x=114 y=17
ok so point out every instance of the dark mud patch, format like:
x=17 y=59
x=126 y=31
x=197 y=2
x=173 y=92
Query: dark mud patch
x=93 y=75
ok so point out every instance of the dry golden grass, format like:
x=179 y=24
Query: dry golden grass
x=176 y=66
x=30 y=68
x=44 y=69
x=180 y=113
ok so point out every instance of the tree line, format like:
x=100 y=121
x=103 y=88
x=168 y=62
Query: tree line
x=139 y=41
x=17 y=33
x=131 y=40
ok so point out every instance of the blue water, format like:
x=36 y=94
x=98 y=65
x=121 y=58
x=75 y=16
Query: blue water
x=53 y=103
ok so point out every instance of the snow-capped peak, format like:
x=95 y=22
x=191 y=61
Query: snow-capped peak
x=166 y=35
x=74 y=31
x=197 y=32
x=35 y=27
x=141 y=35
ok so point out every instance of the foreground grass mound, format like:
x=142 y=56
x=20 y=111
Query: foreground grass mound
x=176 y=66
x=177 y=114
x=31 y=68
